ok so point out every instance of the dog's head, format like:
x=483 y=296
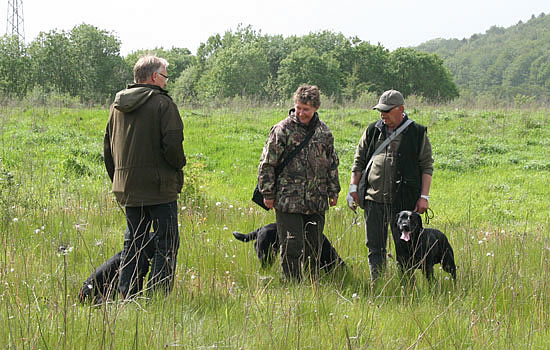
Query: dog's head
x=408 y=223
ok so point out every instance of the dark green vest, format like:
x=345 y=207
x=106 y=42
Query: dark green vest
x=408 y=181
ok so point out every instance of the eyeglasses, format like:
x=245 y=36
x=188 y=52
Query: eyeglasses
x=387 y=110
x=164 y=76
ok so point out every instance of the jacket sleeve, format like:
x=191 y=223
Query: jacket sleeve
x=334 y=181
x=172 y=135
x=271 y=154
x=425 y=159
x=107 y=154
x=360 y=159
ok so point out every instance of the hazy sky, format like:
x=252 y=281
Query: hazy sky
x=398 y=23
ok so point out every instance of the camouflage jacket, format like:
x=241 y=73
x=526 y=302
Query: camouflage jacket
x=310 y=178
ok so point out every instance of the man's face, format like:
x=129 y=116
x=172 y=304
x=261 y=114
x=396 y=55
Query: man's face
x=304 y=111
x=160 y=78
x=393 y=117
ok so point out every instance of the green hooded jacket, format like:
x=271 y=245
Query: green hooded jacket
x=143 y=146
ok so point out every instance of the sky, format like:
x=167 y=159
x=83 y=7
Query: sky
x=149 y=24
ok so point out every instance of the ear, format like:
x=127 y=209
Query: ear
x=418 y=219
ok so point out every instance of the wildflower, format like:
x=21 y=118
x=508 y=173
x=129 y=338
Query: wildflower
x=218 y=204
x=225 y=228
x=230 y=206
x=15 y=220
x=355 y=296
x=37 y=231
x=64 y=250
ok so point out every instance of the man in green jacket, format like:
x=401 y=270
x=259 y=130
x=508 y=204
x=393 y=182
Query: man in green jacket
x=144 y=158
x=306 y=186
x=399 y=177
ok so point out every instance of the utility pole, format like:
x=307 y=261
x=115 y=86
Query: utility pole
x=15 y=24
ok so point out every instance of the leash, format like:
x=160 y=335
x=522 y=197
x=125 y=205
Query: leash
x=428 y=214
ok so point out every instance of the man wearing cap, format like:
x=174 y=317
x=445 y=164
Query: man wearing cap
x=398 y=177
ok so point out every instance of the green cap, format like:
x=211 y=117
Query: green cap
x=389 y=99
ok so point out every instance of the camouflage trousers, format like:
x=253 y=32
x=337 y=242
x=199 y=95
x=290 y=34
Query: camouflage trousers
x=300 y=243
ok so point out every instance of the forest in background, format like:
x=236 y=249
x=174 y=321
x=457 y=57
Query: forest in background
x=85 y=65
x=504 y=62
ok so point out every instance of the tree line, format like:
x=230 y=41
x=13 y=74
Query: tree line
x=503 y=62
x=85 y=62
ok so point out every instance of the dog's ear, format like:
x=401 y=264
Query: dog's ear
x=417 y=219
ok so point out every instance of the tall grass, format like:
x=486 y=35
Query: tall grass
x=59 y=222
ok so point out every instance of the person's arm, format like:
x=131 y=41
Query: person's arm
x=172 y=135
x=359 y=163
x=269 y=159
x=353 y=197
x=107 y=153
x=334 y=180
x=422 y=204
x=426 y=166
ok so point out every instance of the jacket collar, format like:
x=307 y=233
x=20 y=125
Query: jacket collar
x=384 y=130
x=151 y=86
x=312 y=123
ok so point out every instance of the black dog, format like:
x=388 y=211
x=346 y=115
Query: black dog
x=422 y=248
x=267 y=247
x=102 y=284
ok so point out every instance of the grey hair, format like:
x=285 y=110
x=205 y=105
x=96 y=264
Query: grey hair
x=146 y=66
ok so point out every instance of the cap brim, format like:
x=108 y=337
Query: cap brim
x=382 y=107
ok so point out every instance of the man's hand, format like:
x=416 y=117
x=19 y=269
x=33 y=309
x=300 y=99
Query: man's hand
x=421 y=205
x=352 y=198
x=333 y=201
x=269 y=203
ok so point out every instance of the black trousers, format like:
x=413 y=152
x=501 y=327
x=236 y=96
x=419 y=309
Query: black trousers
x=163 y=218
x=378 y=217
x=300 y=242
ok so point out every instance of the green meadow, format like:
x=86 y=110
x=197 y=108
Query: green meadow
x=490 y=196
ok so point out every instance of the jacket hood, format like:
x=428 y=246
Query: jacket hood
x=134 y=96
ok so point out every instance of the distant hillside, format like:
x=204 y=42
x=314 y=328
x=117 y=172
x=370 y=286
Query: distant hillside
x=505 y=62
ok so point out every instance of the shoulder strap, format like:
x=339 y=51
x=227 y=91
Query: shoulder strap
x=388 y=140
x=294 y=152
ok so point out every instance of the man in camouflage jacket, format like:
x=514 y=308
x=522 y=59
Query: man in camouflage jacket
x=306 y=186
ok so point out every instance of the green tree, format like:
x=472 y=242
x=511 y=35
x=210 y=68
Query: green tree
x=84 y=62
x=53 y=65
x=14 y=67
x=420 y=73
x=100 y=70
x=237 y=70
x=305 y=65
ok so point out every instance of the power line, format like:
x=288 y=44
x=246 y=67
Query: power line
x=15 y=25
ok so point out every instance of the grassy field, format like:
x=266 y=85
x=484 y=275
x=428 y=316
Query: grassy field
x=490 y=195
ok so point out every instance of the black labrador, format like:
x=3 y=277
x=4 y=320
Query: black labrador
x=422 y=248
x=102 y=284
x=267 y=246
